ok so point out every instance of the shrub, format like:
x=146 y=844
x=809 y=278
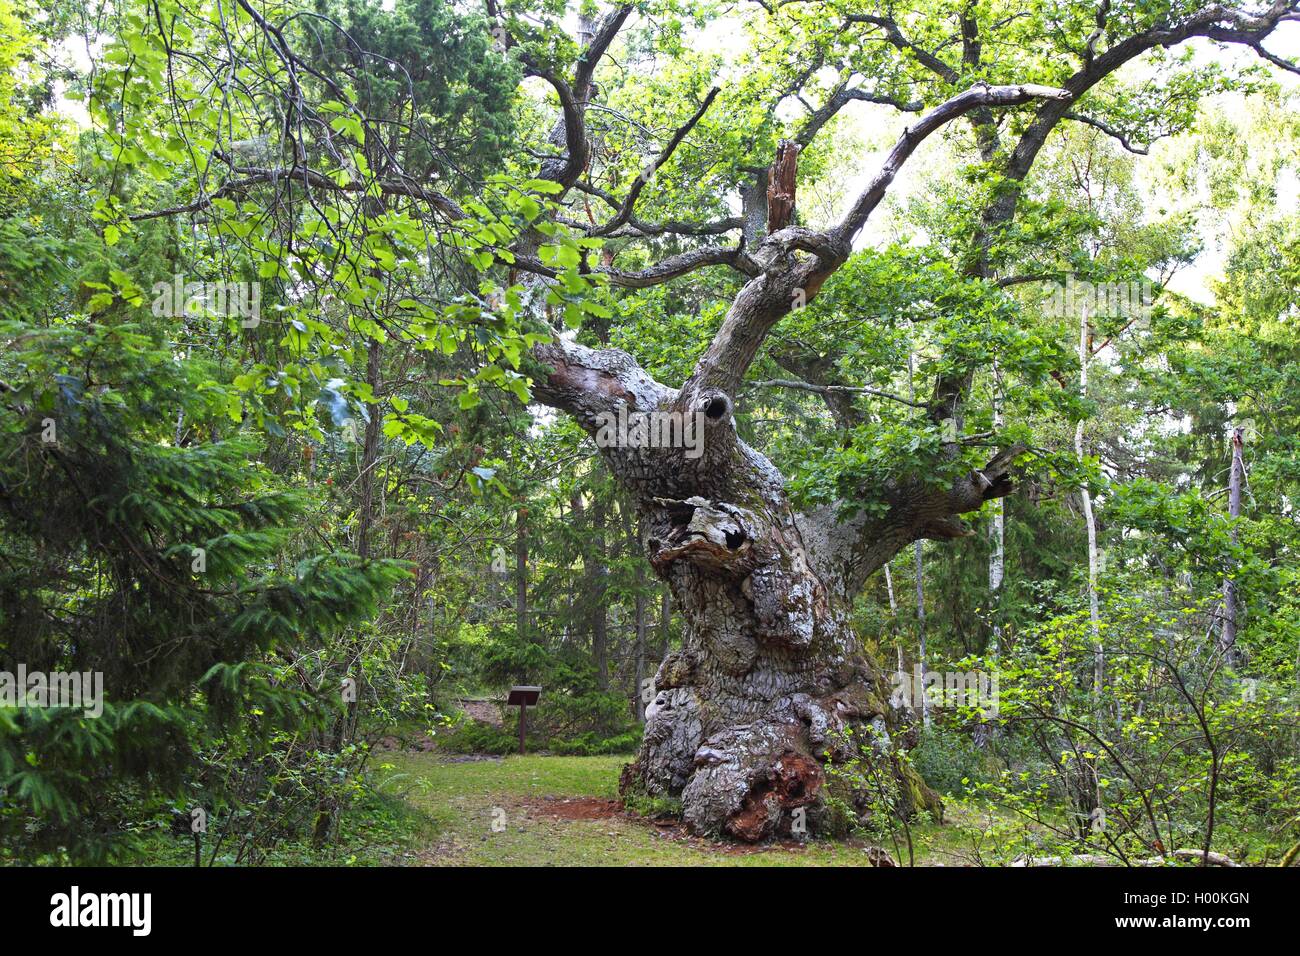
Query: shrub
x=590 y=745
x=945 y=758
x=475 y=737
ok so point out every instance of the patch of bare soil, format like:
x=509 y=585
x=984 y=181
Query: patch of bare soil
x=577 y=808
x=670 y=828
x=666 y=828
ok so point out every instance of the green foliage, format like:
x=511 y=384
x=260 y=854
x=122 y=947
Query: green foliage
x=949 y=761
x=874 y=791
x=653 y=807
x=161 y=567
x=473 y=737
x=590 y=745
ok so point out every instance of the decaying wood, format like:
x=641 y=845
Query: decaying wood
x=781 y=186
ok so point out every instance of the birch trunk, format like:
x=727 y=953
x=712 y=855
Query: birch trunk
x=1094 y=613
x=521 y=575
x=920 y=631
x=997 y=539
x=1228 y=635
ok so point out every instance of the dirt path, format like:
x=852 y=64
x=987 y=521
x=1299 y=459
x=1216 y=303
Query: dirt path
x=482 y=709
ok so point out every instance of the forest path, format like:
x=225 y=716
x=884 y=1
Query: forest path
x=482 y=709
x=563 y=811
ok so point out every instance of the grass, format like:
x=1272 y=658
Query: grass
x=431 y=809
x=517 y=811
x=434 y=809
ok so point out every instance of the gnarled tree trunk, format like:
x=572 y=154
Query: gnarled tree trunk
x=746 y=715
x=770 y=673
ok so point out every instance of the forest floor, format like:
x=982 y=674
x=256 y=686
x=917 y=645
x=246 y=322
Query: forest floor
x=564 y=811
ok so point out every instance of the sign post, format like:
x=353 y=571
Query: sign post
x=522 y=697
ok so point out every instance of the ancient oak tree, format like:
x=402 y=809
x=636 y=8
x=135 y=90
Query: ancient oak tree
x=770 y=675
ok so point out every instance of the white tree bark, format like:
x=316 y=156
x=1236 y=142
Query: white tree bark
x=1094 y=614
x=920 y=630
x=997 y=537
x=922 y=661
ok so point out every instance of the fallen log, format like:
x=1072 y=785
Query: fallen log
x=1100 y=859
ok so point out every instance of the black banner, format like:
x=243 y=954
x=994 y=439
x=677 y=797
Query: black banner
x=342 y=907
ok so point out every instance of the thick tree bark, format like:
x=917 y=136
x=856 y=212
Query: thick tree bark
x=745 y=714
x=665 y=622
